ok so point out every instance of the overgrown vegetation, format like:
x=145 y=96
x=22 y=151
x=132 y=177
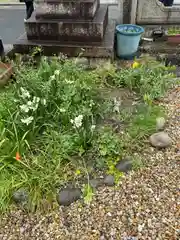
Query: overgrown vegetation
x=52 y=130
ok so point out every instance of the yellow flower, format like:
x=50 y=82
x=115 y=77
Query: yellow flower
x=135 y=65
x=78 y=172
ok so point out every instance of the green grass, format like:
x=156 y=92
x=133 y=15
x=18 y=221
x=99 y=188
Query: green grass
x=38 y=119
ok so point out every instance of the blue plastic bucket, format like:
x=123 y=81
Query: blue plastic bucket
x=128 y=38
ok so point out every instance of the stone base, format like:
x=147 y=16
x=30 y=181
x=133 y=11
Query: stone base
x=68 y=29
x=56 y=9
x=104 y=49
x=159 y=47
x=154 y=12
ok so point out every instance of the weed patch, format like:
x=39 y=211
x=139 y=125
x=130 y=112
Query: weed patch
x=51 y=129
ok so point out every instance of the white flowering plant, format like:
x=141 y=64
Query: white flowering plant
x=53 y=121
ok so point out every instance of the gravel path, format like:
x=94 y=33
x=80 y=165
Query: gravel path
x=145 y=204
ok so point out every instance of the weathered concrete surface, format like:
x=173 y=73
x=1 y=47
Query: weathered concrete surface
x=11 y=23
x=154 y=12
x=68 y=30
x=104 y=49
x=53 y=9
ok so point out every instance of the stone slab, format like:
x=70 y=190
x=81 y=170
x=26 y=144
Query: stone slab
x=159 y=47
x=55 y=9
x=105 y=49
x=154 y=12
x=68 y=29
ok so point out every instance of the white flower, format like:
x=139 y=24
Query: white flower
x=43 y=102
x=56 y=72
x=53 y=77
x=34 y=107
x=36 y=99
x=93 y=127
x=27 y=121
x=25 y=93
x=29 y=103
x=68 y=81
x=91 y=103
x=24 y=108
x=62 y=110
x=77 y=121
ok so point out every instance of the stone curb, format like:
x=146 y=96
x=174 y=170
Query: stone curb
x=16 y=4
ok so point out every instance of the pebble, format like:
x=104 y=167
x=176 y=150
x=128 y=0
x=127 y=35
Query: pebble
x=20 y=196
x=67 y=196
x=109 y=180
x=125 y=165
x=95 y=183
x=160 y=140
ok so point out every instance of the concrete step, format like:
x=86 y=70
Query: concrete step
x=68 y=29
x=103 y=49
x=55 y=9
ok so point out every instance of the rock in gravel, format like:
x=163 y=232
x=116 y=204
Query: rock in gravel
x=160 y=140
x=125 y=165
x=160 y=123
x=95 y=183
x=20 y=196
x=68 y=195
x=109 y=180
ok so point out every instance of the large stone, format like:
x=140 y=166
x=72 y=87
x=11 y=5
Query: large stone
x=68 y=195
x=104 y=49
x=20 y=196
x=125 y=165
x=68 y=30
x=69 y=9
x=160 y=140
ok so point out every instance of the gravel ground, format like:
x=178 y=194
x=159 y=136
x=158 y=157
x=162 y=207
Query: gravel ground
x=145 y=205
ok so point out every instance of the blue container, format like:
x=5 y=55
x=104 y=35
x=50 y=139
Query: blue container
x=128 y=37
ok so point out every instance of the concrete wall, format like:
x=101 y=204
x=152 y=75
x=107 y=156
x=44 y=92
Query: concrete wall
x=115 y=9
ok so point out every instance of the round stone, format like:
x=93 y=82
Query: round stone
x=20 y=196
x=109 y=180
x=160 y=140
x=68 y=195
x=125 y=165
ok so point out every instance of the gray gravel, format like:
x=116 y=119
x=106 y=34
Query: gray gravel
x=145 y=204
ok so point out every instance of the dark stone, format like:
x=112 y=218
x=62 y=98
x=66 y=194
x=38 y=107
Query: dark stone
x=68 y=195
x=95 y=183
x=54 y=9
x=71 y=49
x=109 y=180
x=68 y=30
x=125 y=165
x=20 y=196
